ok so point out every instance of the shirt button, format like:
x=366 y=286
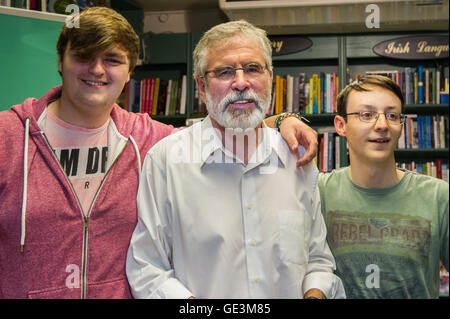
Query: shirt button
x=253 y=242
x=249 y=206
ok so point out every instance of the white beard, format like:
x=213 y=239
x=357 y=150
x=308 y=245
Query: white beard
x=243 y=119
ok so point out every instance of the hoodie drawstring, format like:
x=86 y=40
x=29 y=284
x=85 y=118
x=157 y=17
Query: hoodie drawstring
x=25 y=179
x=25 y=182
x=136 y=149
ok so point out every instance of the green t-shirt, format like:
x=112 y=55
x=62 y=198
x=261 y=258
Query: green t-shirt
x=387 y=242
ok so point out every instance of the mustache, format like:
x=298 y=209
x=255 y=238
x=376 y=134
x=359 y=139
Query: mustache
x=240 y=95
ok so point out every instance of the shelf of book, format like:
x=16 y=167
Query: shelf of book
x=435 y=167
x=165 y=75
x=424 y=138
x=308 y=81
x=423 y=81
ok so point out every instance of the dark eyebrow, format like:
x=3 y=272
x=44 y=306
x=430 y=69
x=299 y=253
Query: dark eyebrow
x=368 y=106
x=115 y=55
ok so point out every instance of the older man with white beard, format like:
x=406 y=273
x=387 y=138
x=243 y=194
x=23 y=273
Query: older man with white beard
x=249 y=223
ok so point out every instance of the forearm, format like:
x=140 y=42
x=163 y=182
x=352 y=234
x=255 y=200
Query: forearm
x=270 y=121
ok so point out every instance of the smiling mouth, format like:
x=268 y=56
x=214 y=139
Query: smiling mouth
x=242 y=102
x=380 y=140
x=238 y=104
x=94 y=83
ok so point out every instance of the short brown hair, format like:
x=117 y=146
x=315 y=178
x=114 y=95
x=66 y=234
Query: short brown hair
x=97 y=29
x=361 y=85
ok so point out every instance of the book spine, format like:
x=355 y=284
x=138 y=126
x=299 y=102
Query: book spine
x=151 y=96
x=433 y=86
x=442 y=132
x=321 y=166
x=295 y=98
x=330 y=152
x=420 y=84
x=169 y=89
x=407 y=85
x=420 y=131
x=427 y=126
x=325 y=152
x=335 y=90
x=183 y=94
x=155 y=97
x=277 y=94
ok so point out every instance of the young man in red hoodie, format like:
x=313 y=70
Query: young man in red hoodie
x=69 y=167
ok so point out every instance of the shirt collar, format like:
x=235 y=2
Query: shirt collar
x=211 y=146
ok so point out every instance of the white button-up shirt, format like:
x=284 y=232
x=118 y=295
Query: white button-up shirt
x=210 y=226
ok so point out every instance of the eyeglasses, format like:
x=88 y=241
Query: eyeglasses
x=227 y=73
x=370 y=117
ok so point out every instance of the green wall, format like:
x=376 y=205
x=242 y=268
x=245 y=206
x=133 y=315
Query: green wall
x=28 y=58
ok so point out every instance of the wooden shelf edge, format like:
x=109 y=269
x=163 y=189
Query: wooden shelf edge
x=50 y=16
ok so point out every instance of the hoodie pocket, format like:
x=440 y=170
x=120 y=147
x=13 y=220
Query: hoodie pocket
x=117 y=288
x=55 y=293
x=292 y=236
x=112 y=289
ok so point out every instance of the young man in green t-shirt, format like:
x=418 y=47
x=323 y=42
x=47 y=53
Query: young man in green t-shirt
x=387 y=227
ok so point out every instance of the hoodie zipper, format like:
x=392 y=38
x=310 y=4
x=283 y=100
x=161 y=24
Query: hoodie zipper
x=85 y=217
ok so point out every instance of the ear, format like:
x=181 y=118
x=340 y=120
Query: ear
x=271 y=76
x=201 y=85
x=339 y=125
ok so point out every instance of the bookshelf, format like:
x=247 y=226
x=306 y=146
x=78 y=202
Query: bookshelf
x=166 y=58
x=169 y=55
x=360 y=59
x=349 y=55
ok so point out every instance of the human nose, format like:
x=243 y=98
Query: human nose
x=96 y=67
x=381 y=121
x=240 y=81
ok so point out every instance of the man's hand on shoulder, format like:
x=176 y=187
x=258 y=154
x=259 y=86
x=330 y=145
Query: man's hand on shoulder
x=295 y=132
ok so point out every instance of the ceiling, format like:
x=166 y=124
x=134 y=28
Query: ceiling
x=172 y=5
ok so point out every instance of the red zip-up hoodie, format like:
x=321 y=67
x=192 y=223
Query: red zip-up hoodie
x=49 y=248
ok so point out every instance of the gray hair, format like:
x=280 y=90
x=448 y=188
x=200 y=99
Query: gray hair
x=227 y=30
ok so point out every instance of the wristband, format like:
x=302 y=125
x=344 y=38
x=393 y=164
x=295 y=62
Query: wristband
x=282 y=116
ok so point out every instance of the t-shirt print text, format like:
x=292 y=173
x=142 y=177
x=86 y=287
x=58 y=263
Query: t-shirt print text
x=82 y=162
